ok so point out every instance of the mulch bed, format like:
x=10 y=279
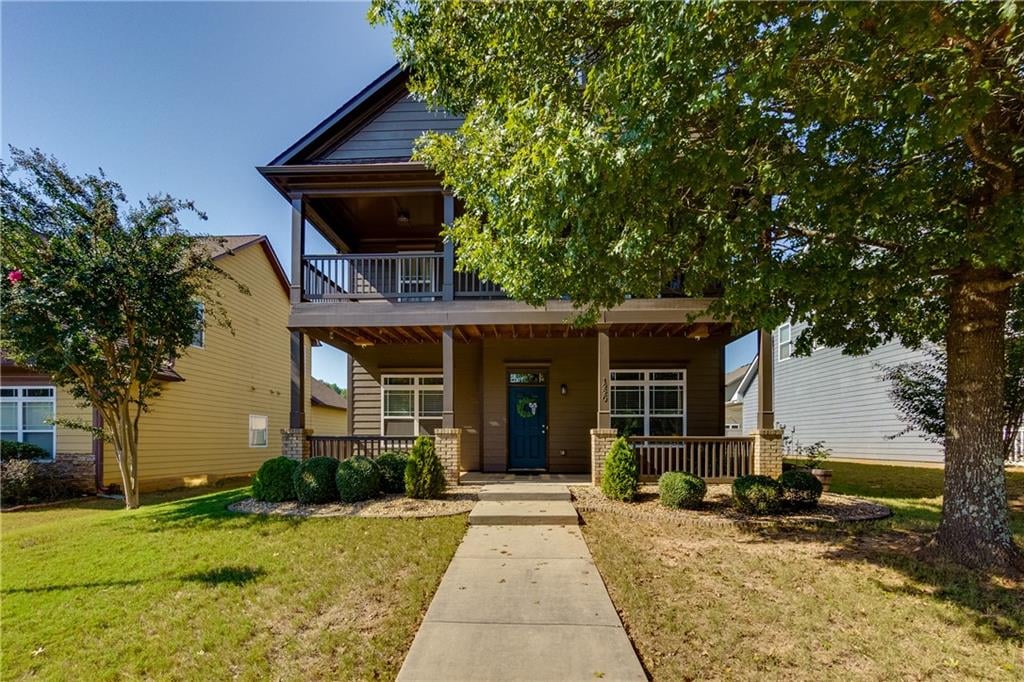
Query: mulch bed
x=454 y=501
x=718 y=509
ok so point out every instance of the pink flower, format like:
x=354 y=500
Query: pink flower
x=15 y=276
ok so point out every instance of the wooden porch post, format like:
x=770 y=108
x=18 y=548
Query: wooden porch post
x=604 y=412
x=298 y=383
x=765 y=380
x=448 y=291
x=448 y=373
x=298 y=245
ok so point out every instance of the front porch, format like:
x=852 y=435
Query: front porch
x=546 y=402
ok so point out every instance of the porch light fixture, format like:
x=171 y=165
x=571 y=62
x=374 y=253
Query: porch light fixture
x=363 y=342
x=563 y=389
x=403 y=217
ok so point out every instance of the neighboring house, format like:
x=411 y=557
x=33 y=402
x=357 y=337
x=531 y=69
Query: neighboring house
x=437 y=351
x=733 y=407
x=223 y=405
x=840 y=399
x=328 y=411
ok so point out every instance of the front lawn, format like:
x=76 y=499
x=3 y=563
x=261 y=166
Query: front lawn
x=849 y=603
x=185 y=589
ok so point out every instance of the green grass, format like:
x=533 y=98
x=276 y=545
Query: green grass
x=184 y=589
x=814 y=603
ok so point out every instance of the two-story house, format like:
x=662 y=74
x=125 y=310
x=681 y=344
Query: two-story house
x=501 y=385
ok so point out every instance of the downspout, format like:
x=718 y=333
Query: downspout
x=97 y=449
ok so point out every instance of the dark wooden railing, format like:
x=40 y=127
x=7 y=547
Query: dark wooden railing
x=344 y=447
x=414 y=276
x=715 y=458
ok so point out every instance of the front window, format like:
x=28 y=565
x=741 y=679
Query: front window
x=785 y=336
x=411 y=404
x=26 y=414
x=259 y=426
x=649 y=402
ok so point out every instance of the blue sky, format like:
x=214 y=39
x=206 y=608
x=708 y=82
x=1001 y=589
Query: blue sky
x=187 y=98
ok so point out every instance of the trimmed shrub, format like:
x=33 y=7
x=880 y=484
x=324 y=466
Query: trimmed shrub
x=392 y=471
x=358 y=479
x=424 y=475
x=315 y=482
x=23 y=481
x=274 y=481
x=800 y=489
x=681 y=490
x=11 y=449
x=620 y=478
x=757 y=494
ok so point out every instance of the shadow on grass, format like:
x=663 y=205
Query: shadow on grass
x=211 y=512
x=222 y=575
x=994 y=603
x=226 y=575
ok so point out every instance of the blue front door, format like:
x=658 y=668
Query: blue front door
x=527 y=427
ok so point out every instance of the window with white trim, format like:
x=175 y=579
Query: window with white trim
x=785 y=335
x=649 y=402
x=259 y=428
x=25 y=414
x=199 y=340
x=411 y=404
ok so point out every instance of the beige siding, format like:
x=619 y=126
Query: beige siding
x=74 y=441
x=199 y=428
x=327 y=421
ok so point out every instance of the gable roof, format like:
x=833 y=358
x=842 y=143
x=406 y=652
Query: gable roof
x=741 y=388
x=382 y=88
x=229 y=244
x=324 y=395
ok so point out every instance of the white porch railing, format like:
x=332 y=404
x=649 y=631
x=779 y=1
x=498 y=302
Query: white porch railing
x=714 y=458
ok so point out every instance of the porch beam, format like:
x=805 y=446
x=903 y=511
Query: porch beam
x=765 y=380
x=448 y=288
x=604 y=419
x=297 y=418
x=298 y=245
x=448 y=377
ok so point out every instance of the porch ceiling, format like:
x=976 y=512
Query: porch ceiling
x=364 y=336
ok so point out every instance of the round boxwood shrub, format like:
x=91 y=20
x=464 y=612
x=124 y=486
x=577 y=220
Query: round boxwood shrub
x=620 y=478
x=424 y=475
x=757 y=494
x=681 y=490
x=315 y=481
x=274 y=481
x=800 y=489
x=358 y=479
x=392 y=471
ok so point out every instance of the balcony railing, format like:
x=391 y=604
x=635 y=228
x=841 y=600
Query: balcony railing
x=400 y=277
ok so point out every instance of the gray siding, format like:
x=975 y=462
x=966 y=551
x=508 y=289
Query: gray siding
x=392 y=133
x=843 y=401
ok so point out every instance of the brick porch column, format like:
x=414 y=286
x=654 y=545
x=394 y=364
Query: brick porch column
x=295 y=443
x=600 y=443
x=768 y=452
x=448 y=446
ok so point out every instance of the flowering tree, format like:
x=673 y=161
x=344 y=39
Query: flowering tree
x=99 y=294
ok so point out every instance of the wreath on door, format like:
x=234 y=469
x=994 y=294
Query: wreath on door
x=527 y=407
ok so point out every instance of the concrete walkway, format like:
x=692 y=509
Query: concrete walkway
x=522 y=602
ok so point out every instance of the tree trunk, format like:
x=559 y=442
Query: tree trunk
x=975 y=530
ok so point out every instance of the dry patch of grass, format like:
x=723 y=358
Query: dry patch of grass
x=810 y=603
x=184 y=589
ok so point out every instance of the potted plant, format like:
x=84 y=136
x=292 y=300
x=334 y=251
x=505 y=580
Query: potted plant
x=815 y=455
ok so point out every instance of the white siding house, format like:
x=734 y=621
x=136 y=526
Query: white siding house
x=839 y=399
